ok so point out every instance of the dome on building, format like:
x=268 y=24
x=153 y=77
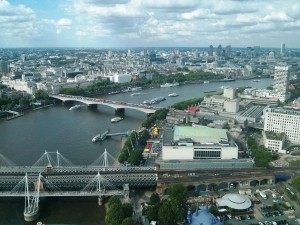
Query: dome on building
x=234 y=201
x=203 y=217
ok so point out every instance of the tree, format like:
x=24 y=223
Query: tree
x=213 y=210
x=178 y=192
x=154 y=199
x=166 y=214
x=152 y=212
x=114 y=200
x=41 y=95
x=114 y=215
x=127 y=210
x=127 y=221
x=136 y=157
x=144 y=136
x=296 y=183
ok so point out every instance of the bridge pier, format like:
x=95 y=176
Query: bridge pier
x=31 y=213
x=92 y=106
x=100 y=199
x=119 y=110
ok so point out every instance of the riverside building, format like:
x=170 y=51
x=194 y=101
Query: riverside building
x=186 y=147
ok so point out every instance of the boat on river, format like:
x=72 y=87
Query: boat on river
x=75 y=107
x=226 y=79
x=116 y=119
x=136 y=93
x=173 y=95
x=169 y=84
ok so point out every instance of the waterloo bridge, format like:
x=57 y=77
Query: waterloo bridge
x=55 y=176
x=117 y=105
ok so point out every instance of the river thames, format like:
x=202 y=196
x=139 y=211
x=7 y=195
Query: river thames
x=25 y=139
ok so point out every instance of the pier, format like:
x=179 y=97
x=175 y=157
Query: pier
x=106 y=134
x=15 y=114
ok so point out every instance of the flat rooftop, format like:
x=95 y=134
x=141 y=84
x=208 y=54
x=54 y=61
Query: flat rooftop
x=182 y=132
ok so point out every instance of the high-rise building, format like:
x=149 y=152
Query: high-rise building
x=211 y=50
x=228 y=51
x=219 y=50
x=280 y=83
x=4 y=69
x=283 y=120
x=282 y=51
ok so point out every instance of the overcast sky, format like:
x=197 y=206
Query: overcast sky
x=149 y=23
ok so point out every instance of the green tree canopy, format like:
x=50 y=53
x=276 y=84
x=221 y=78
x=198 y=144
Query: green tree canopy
x=127 y=221
x=178 y=192
x=114 y=200
x=41 y=95
x=115 y=215
x=127 y=210
x=296 y=183
x=154 y=199
x=166 y=214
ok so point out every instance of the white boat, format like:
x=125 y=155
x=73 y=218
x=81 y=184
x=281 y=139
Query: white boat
x=136 y=89
x=96 y=138
x=170 y=84
x=256 y=80
x=173 y=95
x=137 y=93
x=75 y=107
x=206 y=82
x=116 y=119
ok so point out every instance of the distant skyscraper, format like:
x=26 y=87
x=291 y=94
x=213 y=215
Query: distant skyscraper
x=280 y=83
x=282 y=49
x=228 y=51
x=219 y=50
x=211 y=50
x=129 y=52
x=3 y=67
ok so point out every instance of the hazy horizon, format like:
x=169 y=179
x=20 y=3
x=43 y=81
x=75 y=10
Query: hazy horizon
x=136 y=23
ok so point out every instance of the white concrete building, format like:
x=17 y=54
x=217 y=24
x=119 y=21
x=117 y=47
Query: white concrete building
x=280 y=84
x=274 y=141
x=283 y=120
x=188 y=143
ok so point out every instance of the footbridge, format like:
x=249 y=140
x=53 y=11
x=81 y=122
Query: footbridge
x=54 y=176
x=117 y=105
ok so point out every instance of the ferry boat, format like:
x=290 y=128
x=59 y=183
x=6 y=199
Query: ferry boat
x=256 y=80
x=206 y=82
x=75 y=107
x=170 y=84
x=116 y=119
x=209 y=91
x=227 y=79
x=173 y=95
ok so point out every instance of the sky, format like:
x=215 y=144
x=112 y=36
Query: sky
x=149 y=23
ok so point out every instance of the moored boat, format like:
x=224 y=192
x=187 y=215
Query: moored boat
x=170 y=84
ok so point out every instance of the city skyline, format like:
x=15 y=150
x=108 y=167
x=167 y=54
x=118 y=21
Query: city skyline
x=146 y=23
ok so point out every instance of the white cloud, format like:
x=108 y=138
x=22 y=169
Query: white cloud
x=64 y=22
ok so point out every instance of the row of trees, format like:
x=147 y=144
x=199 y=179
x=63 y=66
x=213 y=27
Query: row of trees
x=132 y=149
x=160 y=114
x=21 y=100
x=106 y=86
x=296 y=183
x=118 y=213
x=261 y=155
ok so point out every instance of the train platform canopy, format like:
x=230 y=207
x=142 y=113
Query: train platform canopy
x=234 y=201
